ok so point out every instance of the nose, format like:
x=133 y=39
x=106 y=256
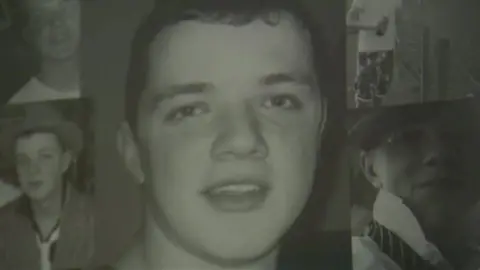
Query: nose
x=434 y=152
x=34 y=167
x=57 y=21
x=239 y=136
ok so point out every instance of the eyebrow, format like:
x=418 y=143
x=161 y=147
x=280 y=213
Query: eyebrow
x=289 y=77
x=175 y=90
x=179 y=89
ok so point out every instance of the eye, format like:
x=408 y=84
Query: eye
x=21 y=161
x=183 y=112
x=46 y=156
x=286 y=102
x=406 y=136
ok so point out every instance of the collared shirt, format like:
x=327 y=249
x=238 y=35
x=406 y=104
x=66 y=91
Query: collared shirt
x=46 y=247
x=35 y=91
x=46 y=243
x=390 y=212
x=19 y=248
x=8 y=193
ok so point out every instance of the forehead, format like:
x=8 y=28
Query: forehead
x=36 y=141
x=36 y=6
x=219 y=53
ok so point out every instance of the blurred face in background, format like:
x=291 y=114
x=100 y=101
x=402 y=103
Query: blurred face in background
x=422 y=165
x=230 y=124
x=40 y=163
x=54 y=27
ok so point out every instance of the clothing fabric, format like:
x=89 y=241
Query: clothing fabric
x=8 y=193
x=374 y=76
x=395 y=230
x=35 y=91
x=19 y=245
x=371 y=13
x=47 y=248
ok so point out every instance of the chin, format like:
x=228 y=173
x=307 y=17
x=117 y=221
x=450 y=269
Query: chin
x=237 y=256
x=60 y=53
x=36 y=196
x=233 y=251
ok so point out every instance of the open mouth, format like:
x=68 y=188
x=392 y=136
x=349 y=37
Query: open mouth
x=438 y=182
x=35 y=185
x=240 y=195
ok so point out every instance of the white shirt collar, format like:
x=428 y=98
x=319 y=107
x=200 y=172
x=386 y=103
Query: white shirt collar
x=390 y=211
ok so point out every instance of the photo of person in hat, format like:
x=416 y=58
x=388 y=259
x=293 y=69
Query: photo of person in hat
x=227 y=110
x=51 y=225
x=54 y=30
x=419 y=158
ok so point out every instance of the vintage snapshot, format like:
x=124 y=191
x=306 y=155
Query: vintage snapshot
x=228 y=131
x=410 y=51
x=46 y=186
x=415 y=193
x=42 y=50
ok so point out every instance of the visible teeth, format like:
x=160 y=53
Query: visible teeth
x=236 y=188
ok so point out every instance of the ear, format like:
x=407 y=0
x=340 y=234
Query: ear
x=27 y=34
x=322 y=114
x=67 y=159
x=368 y=168
x=129 y=153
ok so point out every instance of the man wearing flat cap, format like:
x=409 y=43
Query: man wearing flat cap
x=51 y=225
x=415 y=156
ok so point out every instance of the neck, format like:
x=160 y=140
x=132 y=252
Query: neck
x=173 y=257
x=61 y=75
x=48 y=208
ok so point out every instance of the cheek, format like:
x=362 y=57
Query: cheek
x=51 y=170
x=178 y=165
x=293 y=158
x=393 y=167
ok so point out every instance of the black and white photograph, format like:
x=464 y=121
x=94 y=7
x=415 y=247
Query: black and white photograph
x=46 y=186
x=239 y=134
x=415 y=193
x=226 y=135
x=411 y=51
x=41 y=45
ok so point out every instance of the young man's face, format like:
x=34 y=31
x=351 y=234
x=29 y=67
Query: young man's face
x=230 y=121
x=419 y=165
x=40 y=164
x=55 y=27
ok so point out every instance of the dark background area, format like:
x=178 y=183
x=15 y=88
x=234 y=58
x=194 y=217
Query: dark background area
x=17 y=59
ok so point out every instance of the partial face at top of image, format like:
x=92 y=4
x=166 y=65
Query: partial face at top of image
x=40 y=162
x=54 y=27
x=229 y=125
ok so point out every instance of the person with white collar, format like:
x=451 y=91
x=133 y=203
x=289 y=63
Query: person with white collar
x=51 y=226
x=54 y=31
x=411 y=155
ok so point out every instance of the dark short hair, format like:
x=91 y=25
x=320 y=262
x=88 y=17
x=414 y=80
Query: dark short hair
x=234 y=12
x=31 y=132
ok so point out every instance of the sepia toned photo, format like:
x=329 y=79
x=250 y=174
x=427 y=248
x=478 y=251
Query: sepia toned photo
x=46 y=186
x=414 y=186
x=41 y=43
x=410 y=51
